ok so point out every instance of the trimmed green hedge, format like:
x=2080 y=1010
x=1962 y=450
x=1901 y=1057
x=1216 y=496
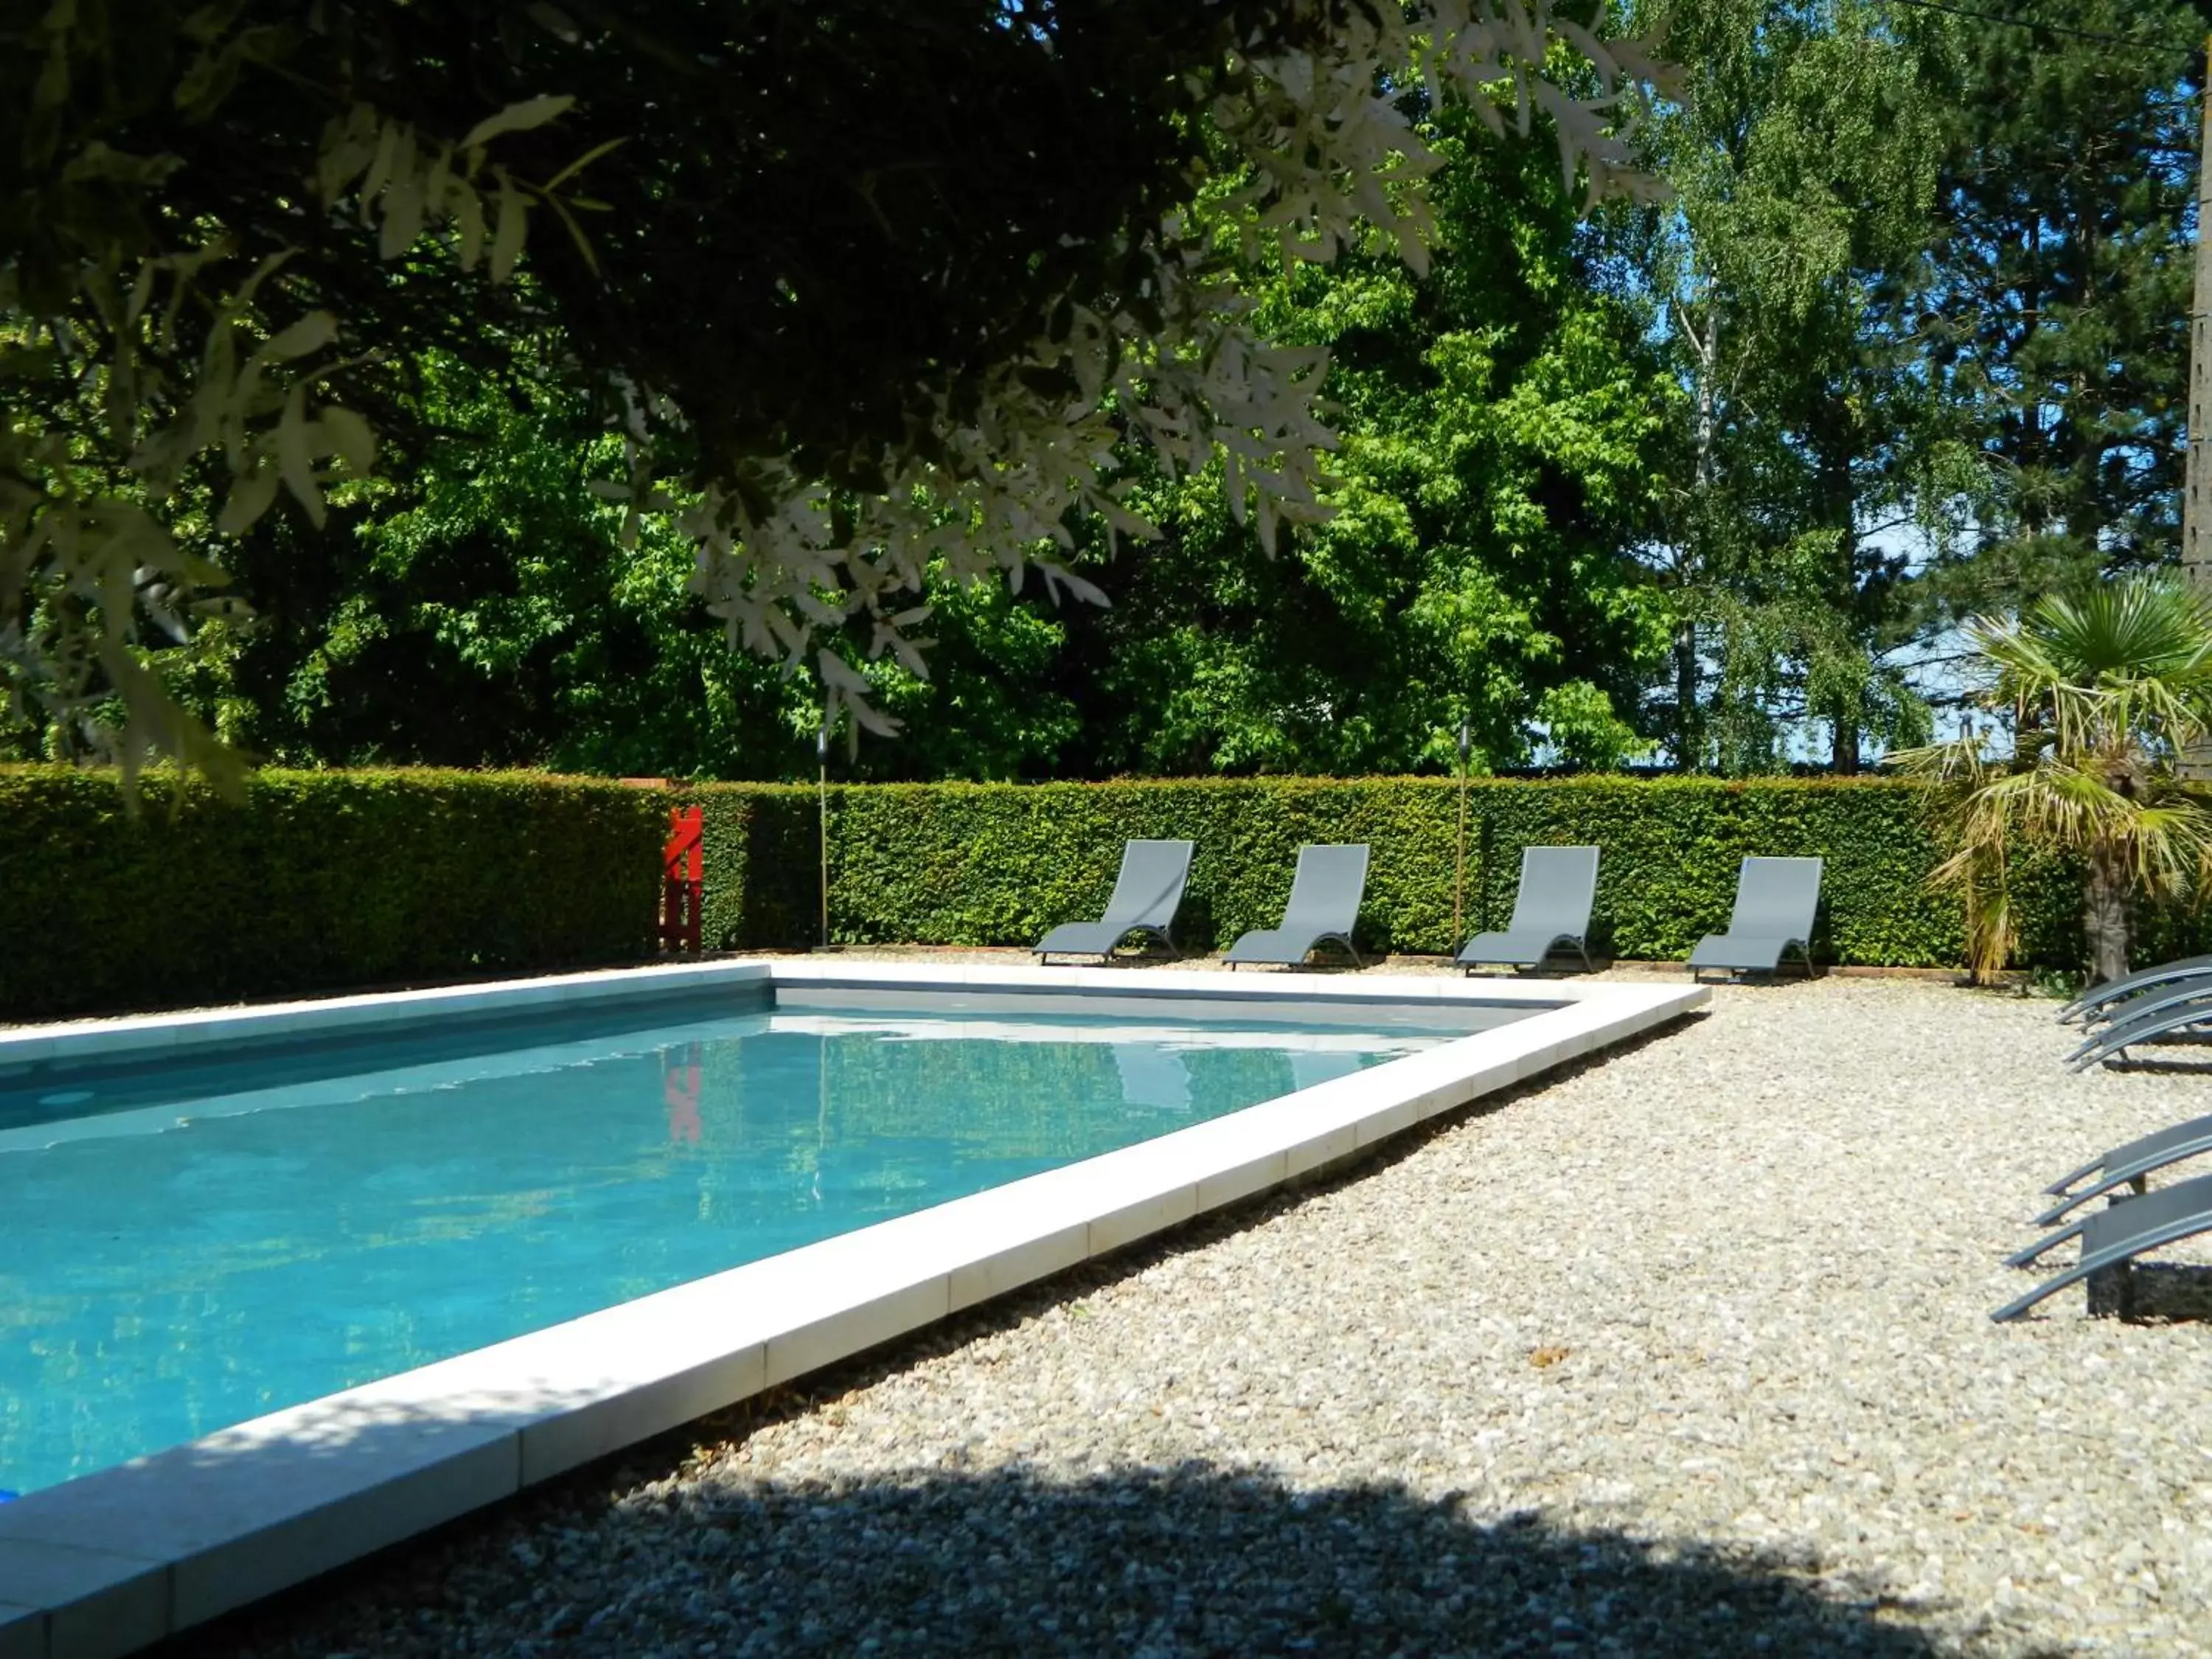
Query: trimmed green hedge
x=998 y=864
x=762 y=860
x=312 y=881
x=329 y=880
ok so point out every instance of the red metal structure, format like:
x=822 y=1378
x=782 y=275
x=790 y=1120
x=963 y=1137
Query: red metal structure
x=683 y=883
x=679 y=1093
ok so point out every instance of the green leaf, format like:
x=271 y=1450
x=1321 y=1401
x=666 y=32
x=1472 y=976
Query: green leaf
x=295 y=455
x=379 y=165
x=52 y=91
x=100 y=162
x=513 y=224
x=468 y=220
x=311 y=333
x=403 y=211
x=575 y=234
x=518 y=118
x=349 y=437
x=582 y=163
x=250 y=497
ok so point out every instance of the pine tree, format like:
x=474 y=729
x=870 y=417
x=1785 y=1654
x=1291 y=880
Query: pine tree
x=2059 y=331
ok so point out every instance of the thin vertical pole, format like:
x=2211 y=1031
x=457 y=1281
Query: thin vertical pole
x=2196 y=507
x=2196 y=481
x=1459 y=876
x=821 y=786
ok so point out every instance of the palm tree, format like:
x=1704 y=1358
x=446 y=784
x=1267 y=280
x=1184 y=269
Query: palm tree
x=2105 y=690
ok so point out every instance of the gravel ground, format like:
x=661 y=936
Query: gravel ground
x=1684 y=1353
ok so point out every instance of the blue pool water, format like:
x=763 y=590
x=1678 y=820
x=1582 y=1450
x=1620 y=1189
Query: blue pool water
x=169 y=1266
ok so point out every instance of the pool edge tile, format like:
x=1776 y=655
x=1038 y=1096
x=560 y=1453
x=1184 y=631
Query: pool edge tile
x=1380 y=1122
x=1226 y=1187
x=22 y=1631
x=252 y=1510
x=568 y=1439
x=1155 y=1213
x=1470 y=1088
x=1306 y=1156
x=1015 y=1265
x=854 y=1328
x=350 y=1524
x=136 y=1033
x=94 y=1603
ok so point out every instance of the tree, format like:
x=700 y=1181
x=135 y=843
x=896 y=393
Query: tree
x=866 y=288
x=1500 y=423
x=479 y=606
x=2103 y=690
x=482 y=607
x=2058 y=322
x=1801 y=146
x=1498 y=416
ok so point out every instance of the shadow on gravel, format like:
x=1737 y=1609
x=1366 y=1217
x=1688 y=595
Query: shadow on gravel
x=1187 y=1561
x=2153 y=1292
x=644 y=1554
x=2162 y=1060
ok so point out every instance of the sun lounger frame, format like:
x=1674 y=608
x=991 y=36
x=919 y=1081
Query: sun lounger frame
x=1551 y=908
x=1326 y=891
x=2126 y=1166
x=2117 y=1235
x=2094 y=1002
x=1147 y=893
x=1776 y=899
x=2156 y=1017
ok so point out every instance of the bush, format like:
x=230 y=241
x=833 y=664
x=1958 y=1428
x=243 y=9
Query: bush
x=316 y=881
x=762 y=856
x=998 y=864
x=312 y=881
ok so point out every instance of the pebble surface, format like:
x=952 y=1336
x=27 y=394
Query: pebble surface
x=1683 y=1351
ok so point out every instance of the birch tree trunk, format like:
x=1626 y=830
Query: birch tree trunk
x=1689 y=729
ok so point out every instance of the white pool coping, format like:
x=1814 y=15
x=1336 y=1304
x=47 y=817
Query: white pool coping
x=103 y=1564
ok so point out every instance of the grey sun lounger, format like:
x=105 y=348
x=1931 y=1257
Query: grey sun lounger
x=2123 y=1166
x=1145 y=895
x=2119 y=1234
x=1553 y=908
x=1774 y=902
x=1324 y=894
x=2100 y=1001
x=2143 y=1019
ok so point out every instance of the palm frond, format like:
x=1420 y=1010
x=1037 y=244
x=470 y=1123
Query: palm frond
x=2125 y=666
x=1960 y=761
x=2105 y=688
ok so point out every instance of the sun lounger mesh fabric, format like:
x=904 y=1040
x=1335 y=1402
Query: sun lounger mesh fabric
x=1324 y=904
x=1146 y=895
x=1551 y=907
x=1775 y=900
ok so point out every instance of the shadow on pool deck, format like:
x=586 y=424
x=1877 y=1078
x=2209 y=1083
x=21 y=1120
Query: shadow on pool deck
x=1189 y=1561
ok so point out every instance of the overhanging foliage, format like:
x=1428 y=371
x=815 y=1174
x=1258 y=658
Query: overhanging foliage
x=865 y=284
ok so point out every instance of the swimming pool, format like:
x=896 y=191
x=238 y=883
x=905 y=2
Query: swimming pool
x=101 y=1564
x=287 y=1226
